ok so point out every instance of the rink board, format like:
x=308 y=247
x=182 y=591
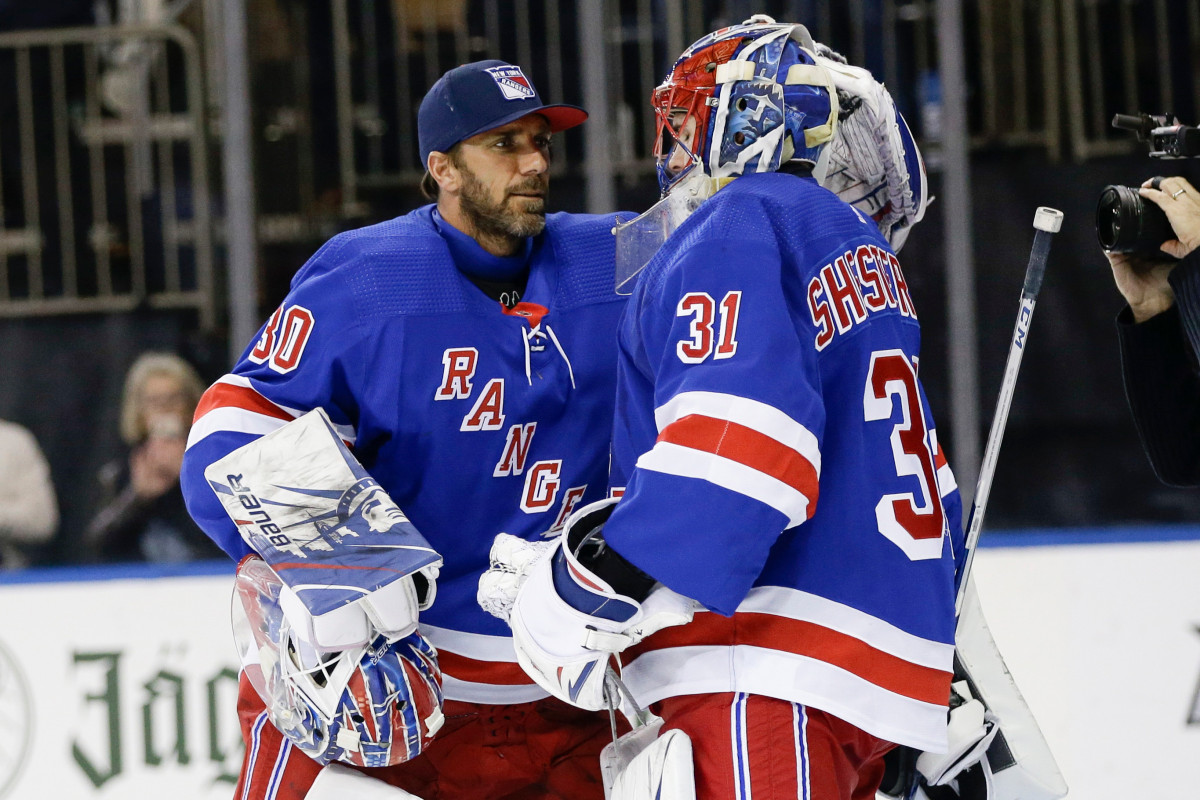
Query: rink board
x=121 y=683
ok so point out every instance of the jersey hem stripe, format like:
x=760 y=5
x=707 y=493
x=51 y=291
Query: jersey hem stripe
x=808 y=640
x=490 y=694
x=880 y=634
x=896 y=718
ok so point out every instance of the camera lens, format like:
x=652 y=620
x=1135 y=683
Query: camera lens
x=1126 y=223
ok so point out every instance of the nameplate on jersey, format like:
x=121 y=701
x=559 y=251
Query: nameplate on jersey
x=302 y=501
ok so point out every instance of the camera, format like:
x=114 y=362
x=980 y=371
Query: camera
x=1125 y=222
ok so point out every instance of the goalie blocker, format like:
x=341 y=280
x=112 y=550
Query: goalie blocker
x=350 y=561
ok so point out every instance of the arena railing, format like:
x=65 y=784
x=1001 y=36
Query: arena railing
x=104 y=193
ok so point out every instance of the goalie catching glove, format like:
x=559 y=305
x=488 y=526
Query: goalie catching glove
x=874 y=163
x=567 y=618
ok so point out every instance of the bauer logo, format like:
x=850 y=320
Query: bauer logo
x=259 y=525
x=512 y=82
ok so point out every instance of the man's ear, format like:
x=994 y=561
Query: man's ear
x=444 y=172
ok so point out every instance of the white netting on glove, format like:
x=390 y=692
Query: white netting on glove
x=874 y=164
x=511 y=557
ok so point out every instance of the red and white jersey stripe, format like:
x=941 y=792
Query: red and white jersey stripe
x=792 y=645
x=741 y=444
x=232 y=404
x=477 y=668
x=945 y=475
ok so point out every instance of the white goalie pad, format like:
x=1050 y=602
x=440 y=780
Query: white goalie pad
x=642 y=765
x=662 y=770
x=344 y=550
x=1017 y=762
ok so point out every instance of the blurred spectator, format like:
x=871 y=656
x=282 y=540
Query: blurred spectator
x=28 y=507
x=145 y=518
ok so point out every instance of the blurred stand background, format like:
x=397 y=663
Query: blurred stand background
x=141 y=209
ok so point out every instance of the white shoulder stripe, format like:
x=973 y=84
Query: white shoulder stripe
x=766 y=419
x=236 y=420
x=685 y=462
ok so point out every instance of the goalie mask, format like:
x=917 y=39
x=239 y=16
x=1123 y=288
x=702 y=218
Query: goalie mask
x=744 y=99
x=372 y=706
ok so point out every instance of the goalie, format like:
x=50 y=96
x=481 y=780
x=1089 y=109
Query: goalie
x=767 y=356
x=462 y=353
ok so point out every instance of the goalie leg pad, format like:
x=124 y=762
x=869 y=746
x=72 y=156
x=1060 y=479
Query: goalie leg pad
x=663 y=770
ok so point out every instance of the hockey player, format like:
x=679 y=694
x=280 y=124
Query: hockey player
x=778 y=577
x=466 y=353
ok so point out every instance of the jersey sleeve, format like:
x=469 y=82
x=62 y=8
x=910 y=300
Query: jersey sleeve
x=307 y=355
x=739 y=418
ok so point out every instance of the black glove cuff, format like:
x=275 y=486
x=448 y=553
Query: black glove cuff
x=586 y=541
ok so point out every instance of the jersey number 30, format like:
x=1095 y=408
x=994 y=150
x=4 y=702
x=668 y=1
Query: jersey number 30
x=283 y=339
x=912 y=523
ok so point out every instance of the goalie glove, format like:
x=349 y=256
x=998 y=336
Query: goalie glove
x=971 y=729
x=510 y=560
x=874 y=162
x=568 y=621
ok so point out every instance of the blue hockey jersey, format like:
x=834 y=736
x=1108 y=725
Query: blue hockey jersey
x=475 y=419
x=780 y=465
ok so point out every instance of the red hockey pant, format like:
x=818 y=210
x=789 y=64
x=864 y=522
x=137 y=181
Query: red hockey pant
x=749 y=746
x=544 y=750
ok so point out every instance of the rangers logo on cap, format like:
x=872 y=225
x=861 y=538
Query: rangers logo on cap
x=512 y=82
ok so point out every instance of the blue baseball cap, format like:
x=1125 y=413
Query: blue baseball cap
x=478 y=97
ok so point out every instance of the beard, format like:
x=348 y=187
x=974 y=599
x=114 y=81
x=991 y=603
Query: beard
x=512 y=217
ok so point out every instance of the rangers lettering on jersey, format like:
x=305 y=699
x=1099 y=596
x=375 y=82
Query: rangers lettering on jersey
x=488 y=412
x=458 y=367
x=516 y=448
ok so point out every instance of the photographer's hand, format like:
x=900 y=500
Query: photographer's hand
x=1143 y=283
x=1180 y=201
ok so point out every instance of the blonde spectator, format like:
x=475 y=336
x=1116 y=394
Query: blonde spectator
x=145 y=518
x=28 y=506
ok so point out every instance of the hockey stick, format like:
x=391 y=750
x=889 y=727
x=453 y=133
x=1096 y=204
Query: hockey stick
x=1047 y=222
